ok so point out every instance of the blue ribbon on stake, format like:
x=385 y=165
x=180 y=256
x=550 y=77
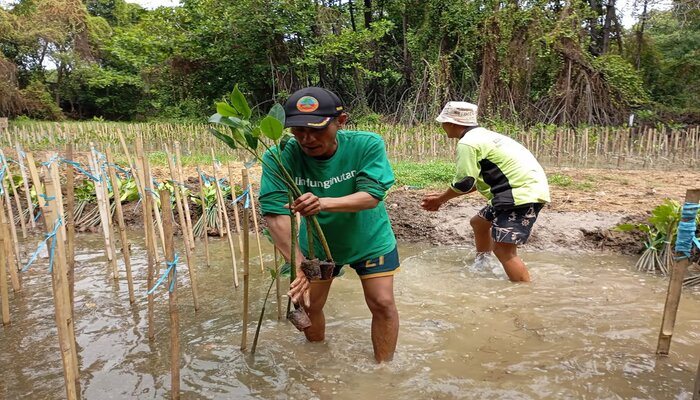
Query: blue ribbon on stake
x=205 y=179
x=46 y=198
x=82 y=171
x=52 y=250
x=101 y=162
x=2 y=179
x=245 y=194
x=686 y=230
x=124 y=172
x=172 y=266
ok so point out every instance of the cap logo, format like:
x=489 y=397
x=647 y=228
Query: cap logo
x=307 y=104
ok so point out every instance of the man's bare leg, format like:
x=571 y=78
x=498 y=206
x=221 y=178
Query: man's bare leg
x=507 y=254
x=318 y=295
x=482 y=234
x=379 y=295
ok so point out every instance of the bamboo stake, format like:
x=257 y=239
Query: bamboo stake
x=4 y=292
x=70 y=224
x=7 y=133
x=57 y=179
x=205 y=218
x=219 y=202
x=696 y=391
x=172 y=297
x=246 y=266
x=278 y=288
x=64 y=320
x=183 y=228
x=105 y=217
x=34 y=174
x=235 y=208
x=606 y=142
x=180 y=177
x=151 y=252
x=18 y=203
x=25 y=182
x=251 y=196
x=228 y=228
x=120 y=222
x=11 y=220
x=675 y=285
x=156 y=211
x=146 y=182
x=10 y=258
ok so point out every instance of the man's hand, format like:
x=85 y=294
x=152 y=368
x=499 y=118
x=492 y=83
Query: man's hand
x=299 y=288
x=307 y=204
x=432 y=202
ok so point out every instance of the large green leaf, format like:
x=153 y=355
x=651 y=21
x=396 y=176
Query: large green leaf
x=223 y=137
x=216 y=118
x=237 y=126
x=285 y=270
x=284 y=141
x=268 y=235
x=239 y=103
x=271 y=127
x=226 y=110
x=251 y=140
x=277 y=111
x=232 y=122
x=238 y=136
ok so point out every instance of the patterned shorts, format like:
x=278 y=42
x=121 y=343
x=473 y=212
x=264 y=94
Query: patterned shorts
x=511 y=225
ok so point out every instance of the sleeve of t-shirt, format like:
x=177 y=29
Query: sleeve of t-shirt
x=273 y=192
x=468 y=168
x=375 y=175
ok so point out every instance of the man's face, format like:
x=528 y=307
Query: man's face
x=453 y=131
x=319 y=143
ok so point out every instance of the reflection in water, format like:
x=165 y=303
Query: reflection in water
x=586 y=327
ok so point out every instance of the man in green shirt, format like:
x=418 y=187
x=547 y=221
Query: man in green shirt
x=344 y=176
x=504 y=172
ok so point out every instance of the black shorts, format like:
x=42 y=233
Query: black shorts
x=511 y=225
x=385 y=265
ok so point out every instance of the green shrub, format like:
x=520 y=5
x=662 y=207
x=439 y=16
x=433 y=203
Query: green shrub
x=622 y=78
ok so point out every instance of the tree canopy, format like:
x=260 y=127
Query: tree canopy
x=541 y=61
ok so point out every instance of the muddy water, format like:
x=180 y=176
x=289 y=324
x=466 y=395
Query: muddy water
x=585 y=328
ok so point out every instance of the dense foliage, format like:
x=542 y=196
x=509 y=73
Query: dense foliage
x=524 y=62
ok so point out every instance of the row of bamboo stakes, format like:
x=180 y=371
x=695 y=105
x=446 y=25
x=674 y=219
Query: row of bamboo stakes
x=159 y=235
x=643 y=147
x=586 y=147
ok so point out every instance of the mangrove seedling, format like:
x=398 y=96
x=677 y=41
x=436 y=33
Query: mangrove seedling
x=282 y=271
x=235 y=115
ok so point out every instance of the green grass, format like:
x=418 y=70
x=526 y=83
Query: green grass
x=159 y=159
x=433 y=174
x=565 y=181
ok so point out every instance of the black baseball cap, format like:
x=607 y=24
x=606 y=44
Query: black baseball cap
x=312 y=107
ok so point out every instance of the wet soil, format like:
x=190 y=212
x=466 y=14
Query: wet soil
x=585 y=209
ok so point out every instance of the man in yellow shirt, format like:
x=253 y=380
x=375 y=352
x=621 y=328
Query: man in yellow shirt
x=504 y=172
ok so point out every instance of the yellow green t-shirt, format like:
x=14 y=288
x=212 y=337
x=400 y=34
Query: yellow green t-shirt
x=503 y=170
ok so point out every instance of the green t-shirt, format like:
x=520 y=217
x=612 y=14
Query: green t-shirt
x=503 y=170
x=359 y=164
